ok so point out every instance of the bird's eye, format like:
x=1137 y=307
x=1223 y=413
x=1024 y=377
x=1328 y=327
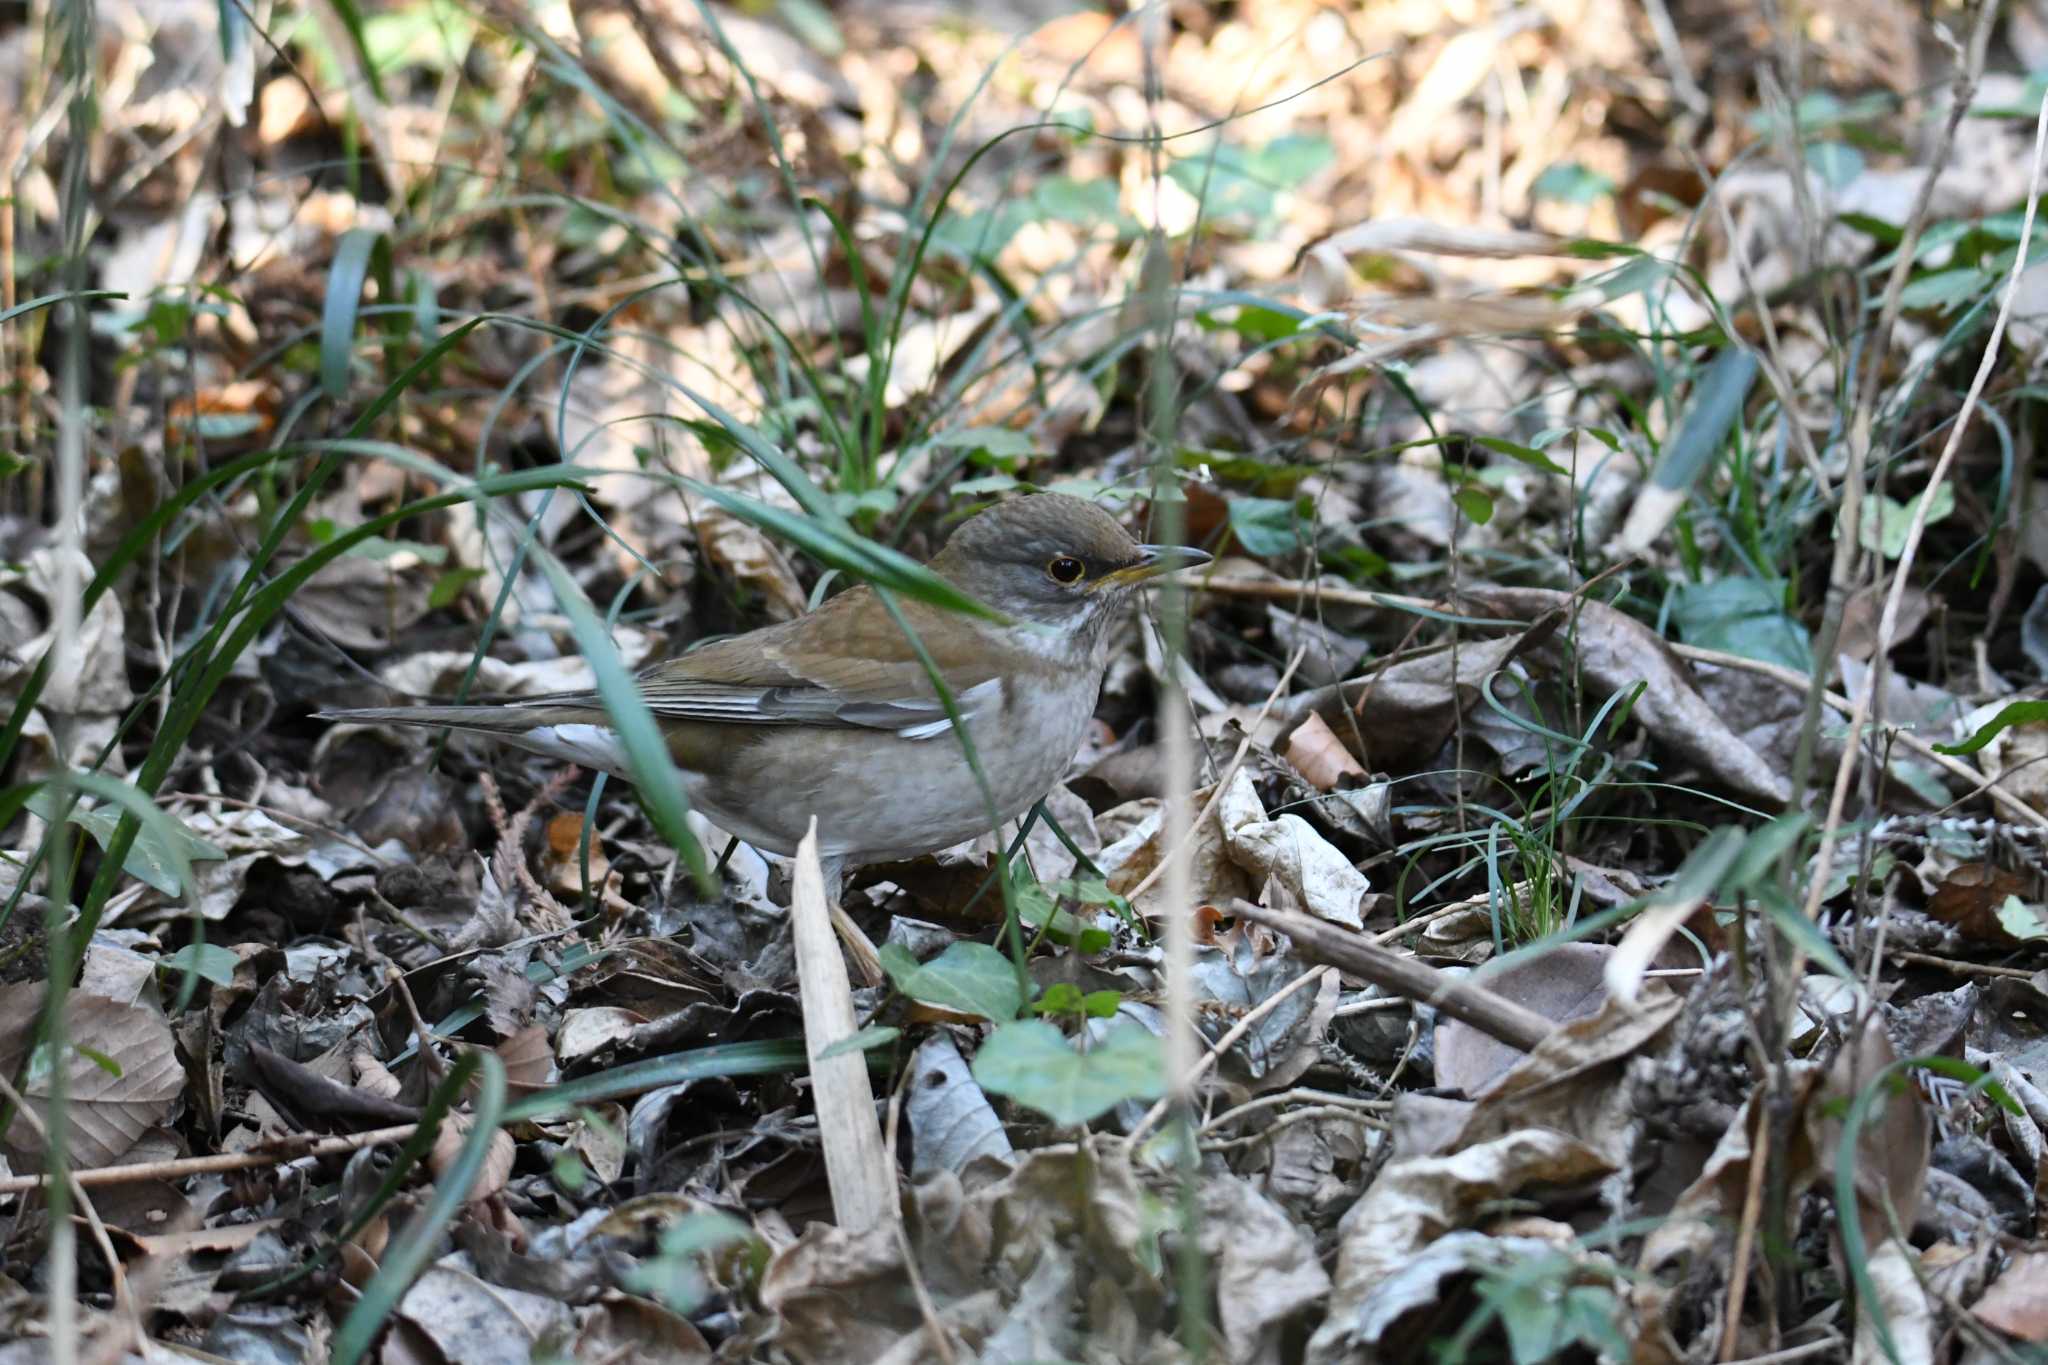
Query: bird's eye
x=1066 y=569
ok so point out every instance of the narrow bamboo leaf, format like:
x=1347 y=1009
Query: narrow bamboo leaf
x=359 y=251
x=654 y=769
x=2018 y=713
x=832 y=543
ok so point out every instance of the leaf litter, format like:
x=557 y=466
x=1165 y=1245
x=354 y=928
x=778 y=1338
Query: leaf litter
x=1451 y=289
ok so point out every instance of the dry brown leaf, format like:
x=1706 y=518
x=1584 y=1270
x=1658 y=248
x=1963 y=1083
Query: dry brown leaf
x=1320 y=757
x=121 y=1073
x=1562 y=983
x=529 y=1060
x=448 y=1145
x=1970 y=897
x=1858 y=638
x=2017 y=1301
x=1414 y=1202
x=1615 y=652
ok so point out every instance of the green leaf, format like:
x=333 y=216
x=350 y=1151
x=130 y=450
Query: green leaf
x=359 y=252
x=163 y=851
x=837 y=546
x=1474 y=503
x=1089 y=202
x=1037 y=907
x=1232 y=181
x=1006 y=448
x=2016 y=713
x=1529 y=456
x=1717 y=402
x=1062 y=997
x=654 y=769
x=1836 y=163
x=1032 y=1063
x=415 y=1248
x=1885 y=522
x=1945 y=290
x=208 y=960
x=968 y=978
x=98 y=1059
x=1743 y=616
x=1102 y=1004
x=2021 y=920
x=1266 y=527
x=1569 y=182
x=1761 y=850
x=448 y=587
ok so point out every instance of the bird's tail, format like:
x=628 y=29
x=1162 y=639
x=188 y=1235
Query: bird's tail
x=504 y=719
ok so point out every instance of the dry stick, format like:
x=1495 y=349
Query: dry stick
x=1216 y=794
x=213 y=1165
x=1745 y=1234
x=863 y=1183
x=1321 y=1099
x=1888 y=622
x=933 y=1328
x=1222 y=1045
x=1494 y=1015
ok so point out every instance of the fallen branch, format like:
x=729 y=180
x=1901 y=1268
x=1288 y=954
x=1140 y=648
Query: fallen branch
x=1494 y=1015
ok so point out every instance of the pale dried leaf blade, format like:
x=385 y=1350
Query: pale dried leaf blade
x=863 y=1183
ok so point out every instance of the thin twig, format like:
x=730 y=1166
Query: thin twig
x=1888 y=621
x=1798 y=681
x=1222 y=1045
x=1492 y=1014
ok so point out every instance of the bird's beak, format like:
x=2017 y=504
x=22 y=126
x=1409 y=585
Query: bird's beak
x=1154 y=560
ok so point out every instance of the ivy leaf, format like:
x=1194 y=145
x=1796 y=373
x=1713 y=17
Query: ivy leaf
x=208 y=960
x=968 y=978
x=1032 y=1063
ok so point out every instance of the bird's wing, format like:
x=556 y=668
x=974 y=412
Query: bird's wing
x=846 y=664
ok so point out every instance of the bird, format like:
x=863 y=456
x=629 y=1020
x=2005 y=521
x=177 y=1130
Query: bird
x=833 y=715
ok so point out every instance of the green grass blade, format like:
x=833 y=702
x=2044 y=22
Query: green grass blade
x=356 y=255
x=654 y=769
x=415 y=1247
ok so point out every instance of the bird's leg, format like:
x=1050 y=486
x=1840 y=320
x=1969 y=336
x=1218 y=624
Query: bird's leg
x=834 y=872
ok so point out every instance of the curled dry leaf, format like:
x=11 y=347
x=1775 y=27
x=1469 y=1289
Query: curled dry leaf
x=1320 y=757
x=1413 y=1204
x=1236 y=851
x=748 y=555
x=92 y=676
x=471 y=1322
x=951 y=1121
x=1973 y=897
x=529 y=1061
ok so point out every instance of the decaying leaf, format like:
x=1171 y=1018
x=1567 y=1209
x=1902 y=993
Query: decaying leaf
x=120 y=1067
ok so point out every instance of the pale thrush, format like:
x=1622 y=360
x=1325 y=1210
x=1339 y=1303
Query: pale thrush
x=833 y=715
